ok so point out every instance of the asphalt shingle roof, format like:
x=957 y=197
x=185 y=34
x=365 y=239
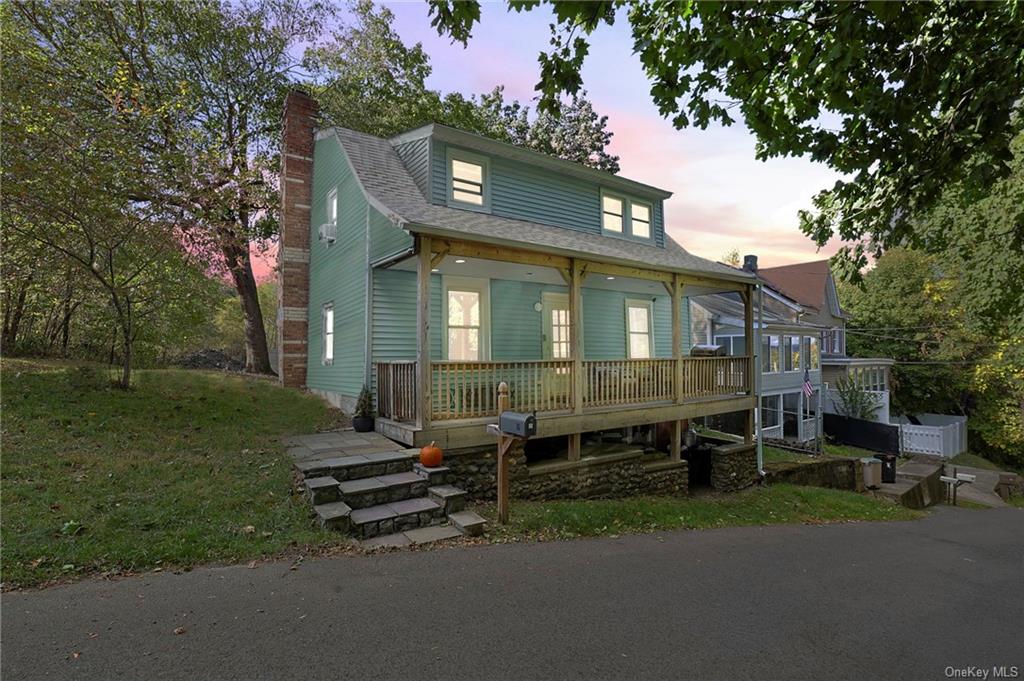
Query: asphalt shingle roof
x=393 y=191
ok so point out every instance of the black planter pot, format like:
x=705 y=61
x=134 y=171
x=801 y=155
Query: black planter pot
x=362 y=424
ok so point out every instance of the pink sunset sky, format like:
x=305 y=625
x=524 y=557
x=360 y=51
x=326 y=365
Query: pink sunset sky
x=723 y=198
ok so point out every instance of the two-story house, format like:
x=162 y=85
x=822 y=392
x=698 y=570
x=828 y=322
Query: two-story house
x=437 y=264
x=813 y=287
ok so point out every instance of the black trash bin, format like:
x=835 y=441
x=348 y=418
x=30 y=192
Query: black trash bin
x=888 y=467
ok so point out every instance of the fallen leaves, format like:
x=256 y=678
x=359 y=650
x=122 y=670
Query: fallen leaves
x=178 y=631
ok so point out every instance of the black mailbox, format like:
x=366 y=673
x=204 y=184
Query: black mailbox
x=520 y=425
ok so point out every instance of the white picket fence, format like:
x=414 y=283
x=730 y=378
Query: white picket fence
x=938 y=435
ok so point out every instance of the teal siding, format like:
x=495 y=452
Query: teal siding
x=386 y=238
x=337 y=275
x=394 y=315
x=516 y=327
x=415 y=156
x=524 y=192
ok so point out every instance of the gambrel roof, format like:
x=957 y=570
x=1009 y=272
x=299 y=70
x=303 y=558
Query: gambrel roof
x=391 y=189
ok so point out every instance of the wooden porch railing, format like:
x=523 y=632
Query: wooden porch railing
x=462 y=390
x=628 y=381
x=715 y=376
x=396 y=390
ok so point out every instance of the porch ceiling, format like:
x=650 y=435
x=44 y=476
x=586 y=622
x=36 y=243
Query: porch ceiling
x=494 y=269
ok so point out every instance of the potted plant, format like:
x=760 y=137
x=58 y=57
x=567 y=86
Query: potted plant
x=362 y=418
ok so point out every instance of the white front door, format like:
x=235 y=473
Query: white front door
x=556 y=344
x=556 y=325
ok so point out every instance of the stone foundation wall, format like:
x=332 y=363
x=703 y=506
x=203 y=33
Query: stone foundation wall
x=733 y=467
x=845 y=474
x=611 y=476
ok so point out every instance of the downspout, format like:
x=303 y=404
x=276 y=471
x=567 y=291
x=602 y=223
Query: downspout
x=757 y=379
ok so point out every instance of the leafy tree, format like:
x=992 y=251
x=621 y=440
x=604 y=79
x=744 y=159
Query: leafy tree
x=911 y=308
x=904 y=99
x=732 y=258
x=198 y=88
x=71 y=200
x=369 y=80
x=855 y=402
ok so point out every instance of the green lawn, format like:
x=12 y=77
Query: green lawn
x=760 y=506
x=183 y=469
x=975 y=461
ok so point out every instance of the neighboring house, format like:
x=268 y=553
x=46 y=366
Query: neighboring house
x=813 y=287
x=436 y=264
x=789 y=356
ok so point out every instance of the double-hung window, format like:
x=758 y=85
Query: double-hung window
x=327 y=356
x=626 y=217
x=613 y=214
x=640 y=220
x=770 y=416
x=466 y=311
x=638 y=329
x=467 y=180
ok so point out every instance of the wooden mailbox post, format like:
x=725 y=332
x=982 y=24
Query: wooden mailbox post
x=505 y=442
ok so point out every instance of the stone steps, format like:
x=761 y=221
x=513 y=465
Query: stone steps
x=383 y=489
x=386 y=494
x=357 y=466
x=398 y=516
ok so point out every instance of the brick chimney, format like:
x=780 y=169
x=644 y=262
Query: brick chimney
x=300 y=111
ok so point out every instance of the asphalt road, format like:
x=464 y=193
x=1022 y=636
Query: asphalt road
x=857 y=601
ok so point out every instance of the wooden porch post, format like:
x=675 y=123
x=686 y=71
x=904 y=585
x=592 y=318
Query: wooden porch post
x=677 y=335
x=423 y=373
x=576 y=276
x=748 y=335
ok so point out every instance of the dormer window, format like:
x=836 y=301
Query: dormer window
x=640 y=220
x=621 y=216
x=467 y=180
x=612 y=213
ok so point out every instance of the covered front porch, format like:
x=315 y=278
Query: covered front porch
x=587 y=345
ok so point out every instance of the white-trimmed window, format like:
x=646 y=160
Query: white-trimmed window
x=624 y=216
x=332 y=207
x=327 y=356
x=774 y=365
x=467 y=180
x=791 y=349
x=813 y=353
x=640 y=220
x=770 y=411
x=613 y=214
x=466 y=315
x=639 y=335
x=735 y=346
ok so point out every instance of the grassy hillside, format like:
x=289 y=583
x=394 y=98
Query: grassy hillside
x=186 y=468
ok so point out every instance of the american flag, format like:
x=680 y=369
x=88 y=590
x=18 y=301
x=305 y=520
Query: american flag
x=807 y=387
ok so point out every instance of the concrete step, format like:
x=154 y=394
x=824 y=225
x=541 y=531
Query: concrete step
x=469 y=522
x=357 y=466
x=397 y=516
x=334 y=516
x=450 y=497
x=382 y=489
x=322 y=490
x=421 y=535
x=437 y=475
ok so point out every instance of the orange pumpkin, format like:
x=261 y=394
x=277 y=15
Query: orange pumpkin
x=430 y=456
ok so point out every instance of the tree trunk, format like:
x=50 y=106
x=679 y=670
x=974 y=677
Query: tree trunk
x=257 y=355
x=12 y=320
x=127 y=333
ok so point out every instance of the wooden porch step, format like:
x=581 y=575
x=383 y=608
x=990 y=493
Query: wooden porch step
x=357 y=466
x=395 y=517
x=382 y=489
